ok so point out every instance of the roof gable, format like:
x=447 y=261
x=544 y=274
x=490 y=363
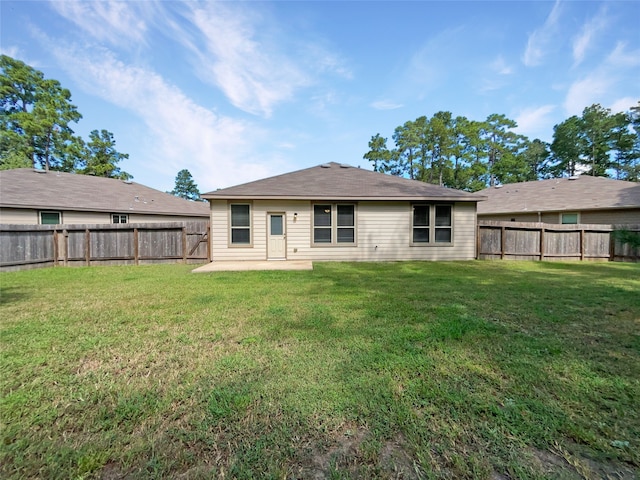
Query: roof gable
x=560 y=194
x=340 y=182
x=28 y=188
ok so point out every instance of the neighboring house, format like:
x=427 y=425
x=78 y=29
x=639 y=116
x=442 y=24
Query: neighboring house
x=30 y=196
x=583 y=199
x=338 y=212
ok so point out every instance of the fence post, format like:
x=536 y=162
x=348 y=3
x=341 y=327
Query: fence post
x=542 y=243
x=209 y=241
x=184 y=243
x=136 y=247
x=503 y=240
x=87 y=246
x=55 y=247
x=582 y=244
x=65 y=257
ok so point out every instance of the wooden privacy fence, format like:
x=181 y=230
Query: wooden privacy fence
x=32 y=246
x=545 y=241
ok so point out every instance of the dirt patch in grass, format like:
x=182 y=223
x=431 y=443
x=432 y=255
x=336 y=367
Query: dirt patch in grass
x=560 y=463
x=395 y=462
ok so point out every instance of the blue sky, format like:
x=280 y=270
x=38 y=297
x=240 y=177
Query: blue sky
x=236 y=91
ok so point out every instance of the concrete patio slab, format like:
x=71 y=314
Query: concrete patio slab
x=237 y=266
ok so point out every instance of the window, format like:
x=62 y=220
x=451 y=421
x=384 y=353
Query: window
x=569 y=218
x=241 y=224
x=119 y=218
x=432 y=224
x=50 y=218
x=334 y=224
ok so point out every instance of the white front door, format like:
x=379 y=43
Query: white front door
x=276 y=237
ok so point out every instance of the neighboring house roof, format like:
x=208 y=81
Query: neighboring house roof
x=36 y=189
x=334 y=181
x=560 y=194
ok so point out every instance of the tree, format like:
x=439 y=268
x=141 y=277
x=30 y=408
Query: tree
x=378 y=153
x=626 y=164
x=598 y=143
x=185 y=187
x=100 y=156
x=502 y=147
x=36 y=113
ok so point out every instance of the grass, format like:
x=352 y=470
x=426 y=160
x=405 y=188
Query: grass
x=395 y=370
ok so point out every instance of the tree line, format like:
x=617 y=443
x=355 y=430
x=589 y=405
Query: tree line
x=35 y=131
x=470 y=155
x=35 y=127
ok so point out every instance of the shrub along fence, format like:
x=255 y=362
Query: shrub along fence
x=545 y=241
x=33 y=246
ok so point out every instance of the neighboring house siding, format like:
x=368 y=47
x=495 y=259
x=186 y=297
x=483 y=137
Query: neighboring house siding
x=606 y=217
x=385 y=225
x=25 y=216
x=18 y=216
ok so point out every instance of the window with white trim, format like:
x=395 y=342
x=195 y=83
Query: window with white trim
x=240 y=224
x=431 y=224
x=334 y=224
x=119 y=218
x=50 y=218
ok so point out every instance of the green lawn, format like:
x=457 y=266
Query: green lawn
x=493 y=370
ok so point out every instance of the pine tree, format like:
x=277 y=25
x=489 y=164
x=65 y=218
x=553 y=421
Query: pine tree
x=185 y=187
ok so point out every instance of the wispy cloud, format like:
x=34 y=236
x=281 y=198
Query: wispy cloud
x=624 y=104
x=112 y=21
x=541 y=39
x=386 y=105
x=534 y=122
x=620 y=57
x=183 y=133
x=599 y=85
x=500 y=66
x=243 y=52
x=589 y=31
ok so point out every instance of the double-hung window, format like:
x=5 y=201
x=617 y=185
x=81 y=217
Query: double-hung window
x=431 y=224
x=241 y=224
x=334 y=224
x=119 y=218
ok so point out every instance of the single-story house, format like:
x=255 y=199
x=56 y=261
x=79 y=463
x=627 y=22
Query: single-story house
x=29 y=197
x=338 y=212
x=578 y=199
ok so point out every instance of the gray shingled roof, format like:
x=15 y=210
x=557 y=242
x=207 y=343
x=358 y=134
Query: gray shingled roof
x=334 y=181
x=560 y=194
x=27 y=188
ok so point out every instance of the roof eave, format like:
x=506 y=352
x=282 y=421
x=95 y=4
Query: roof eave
x=341 y=198
x=102 y=210
x=558 y=210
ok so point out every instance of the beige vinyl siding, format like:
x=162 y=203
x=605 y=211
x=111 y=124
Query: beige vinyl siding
x=615 y=217
x=18 y=216
x=383 y=233
x=27 y=216
x=599 y=217
x=141 y=218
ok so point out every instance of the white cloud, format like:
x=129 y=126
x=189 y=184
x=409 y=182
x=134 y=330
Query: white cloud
x=541 y=39
x=250 y=57
x=180 y=133
x=500 y=66
x=386 y=105
x=113 y=21
x=620 y=57
x=598 y=85
x=624 y=104
x=587 y=91
x=534 y=122
x=583 y=41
